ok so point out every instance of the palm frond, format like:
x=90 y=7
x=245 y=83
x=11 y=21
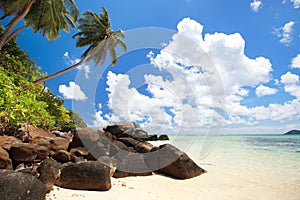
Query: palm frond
x=122 y=44
x=93 y=31
x=72 y=8
x=51 y=16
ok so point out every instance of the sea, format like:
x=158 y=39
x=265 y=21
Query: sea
x=271 y=160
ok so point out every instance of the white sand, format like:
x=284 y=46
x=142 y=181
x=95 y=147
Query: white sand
x=216 y=184
x=234 y=173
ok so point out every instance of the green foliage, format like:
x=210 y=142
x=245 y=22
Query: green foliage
x=76 y=122
x=94 y=31
x=55 y=108
x=10 y=7
x=51 y=16
x=45 y=16
x=14 y=60
x=19 y=106
x=22 y=101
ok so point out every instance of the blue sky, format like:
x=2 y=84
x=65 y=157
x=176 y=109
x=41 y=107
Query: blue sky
x=192 y=67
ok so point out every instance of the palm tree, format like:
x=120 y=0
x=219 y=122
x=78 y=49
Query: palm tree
x=94 y=30
x=48 y=17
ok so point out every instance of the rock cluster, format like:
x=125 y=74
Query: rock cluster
x=84 y=160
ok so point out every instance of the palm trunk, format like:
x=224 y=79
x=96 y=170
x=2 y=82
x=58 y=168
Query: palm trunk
x=14 y=22
x=14 y=33
x=61 y=72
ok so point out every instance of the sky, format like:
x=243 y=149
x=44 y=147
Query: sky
x=192 y=67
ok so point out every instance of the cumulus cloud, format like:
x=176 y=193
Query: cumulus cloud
x=292 y=84
x=256 y=5
x=84 y=67
x=285 y=33
x=296 y=62
x=73 y=92
x=277 y=112
x=210 y=75
x=289 y=79
x=262 y=90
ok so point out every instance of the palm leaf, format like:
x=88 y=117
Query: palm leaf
x=94 y=31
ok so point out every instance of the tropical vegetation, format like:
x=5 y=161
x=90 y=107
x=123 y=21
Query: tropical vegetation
x=94 y=31
x=21 y=101
x=24 y=97
x=45 y=16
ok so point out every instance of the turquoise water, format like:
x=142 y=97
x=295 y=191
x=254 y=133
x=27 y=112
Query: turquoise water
x=270 y=160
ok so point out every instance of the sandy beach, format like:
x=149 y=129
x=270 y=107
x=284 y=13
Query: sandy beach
x=234 y=172
x=212 y=185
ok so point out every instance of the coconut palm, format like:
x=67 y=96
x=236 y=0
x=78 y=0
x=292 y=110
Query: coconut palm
x=94 y=31
x=48 y=17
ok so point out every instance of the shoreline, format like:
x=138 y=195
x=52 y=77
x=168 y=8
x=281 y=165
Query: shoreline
x=236 y=170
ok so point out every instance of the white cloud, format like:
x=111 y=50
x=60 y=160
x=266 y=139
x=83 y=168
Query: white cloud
x=262 y=90
x=285 y=33
x=72 y=91
x=292 y=84
x=289 y=79
x=296 y=3
x=207 y=72
x=296 y=62
x=277 y=112
x=256 y=5
x=84 y=67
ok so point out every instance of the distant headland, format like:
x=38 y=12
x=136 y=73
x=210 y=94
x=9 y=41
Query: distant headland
x=293 y=132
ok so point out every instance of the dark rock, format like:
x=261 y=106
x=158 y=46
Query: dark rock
x=120 y=174
x=293 y=132
x=49 y=172
x=109 y=136
x=42 y=152
x=53 y=144
x=16 y=131
x=98 y=150
x=67 y=135
x=152 y=138
x=114 y=129
x=15 y=185
x=90 y=175
x=170 y=161
x=128 y=129
x=96 y=142
x=163 y=137
x=130 y=164
x=7 y=141
x=62 y=156
x=109 y=162
x=28 y=170
x=140 y=133
x=34 y=132
x=76 y=159
x=5 y=161
x=119 y=145
x=59 y=143
x=121 y=128
x=140 y=147
x=79 y=152
x=85 y=137
x=43 y=141
x=23 y=152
